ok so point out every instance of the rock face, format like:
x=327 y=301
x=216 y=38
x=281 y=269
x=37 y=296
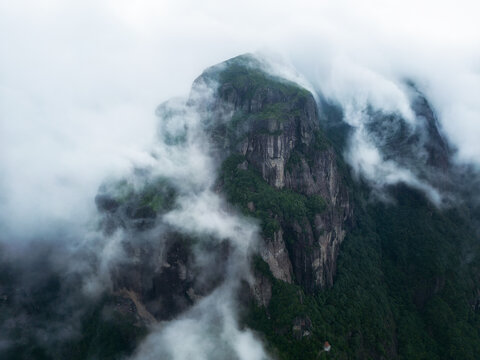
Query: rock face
x=159 y=276
x=165 y=281
x=276 y=255
x=277 y=166
x=272 y=125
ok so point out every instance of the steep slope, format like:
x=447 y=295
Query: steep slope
x=407 y=274
x=280 y=168
x=160 y=272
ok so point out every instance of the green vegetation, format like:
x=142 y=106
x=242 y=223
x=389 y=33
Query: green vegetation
x=294 y=160
x=403 y=290
x=242 y=123
x=83 y=330
x=107 y=334
x=122 y=191
x=159 y=195
x=246 y=75
x=246 y=188
x=320 y=142
x=277 y=111
x=337 y=131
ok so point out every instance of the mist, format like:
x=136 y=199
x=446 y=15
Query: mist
x=80 y=83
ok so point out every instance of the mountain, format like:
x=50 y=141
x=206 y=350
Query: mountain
x=396 y=279
x=406 y=271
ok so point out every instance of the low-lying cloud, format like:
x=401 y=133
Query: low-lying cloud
x=79 y=81
x=79 y=84
x=210 y=329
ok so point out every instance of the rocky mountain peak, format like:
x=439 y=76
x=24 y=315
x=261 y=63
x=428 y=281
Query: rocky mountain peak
x=267 y=132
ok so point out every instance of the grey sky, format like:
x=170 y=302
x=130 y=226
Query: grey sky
x=79 y=81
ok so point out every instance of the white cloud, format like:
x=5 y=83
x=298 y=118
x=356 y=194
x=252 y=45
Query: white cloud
x=79 y=81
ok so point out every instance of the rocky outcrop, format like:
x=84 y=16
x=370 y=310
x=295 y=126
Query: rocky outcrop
x=275 y=254
x=268 y=130
x=159 y=277
x=262 y=289
x=274 y=126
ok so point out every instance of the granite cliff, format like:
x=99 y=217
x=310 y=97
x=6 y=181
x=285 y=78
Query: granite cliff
x=267 y=131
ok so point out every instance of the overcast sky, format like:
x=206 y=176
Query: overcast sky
x=80 y=80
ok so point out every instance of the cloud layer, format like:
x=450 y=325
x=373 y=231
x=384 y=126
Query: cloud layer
x=79 y=82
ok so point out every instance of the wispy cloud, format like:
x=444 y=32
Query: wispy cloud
x=79 y=84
